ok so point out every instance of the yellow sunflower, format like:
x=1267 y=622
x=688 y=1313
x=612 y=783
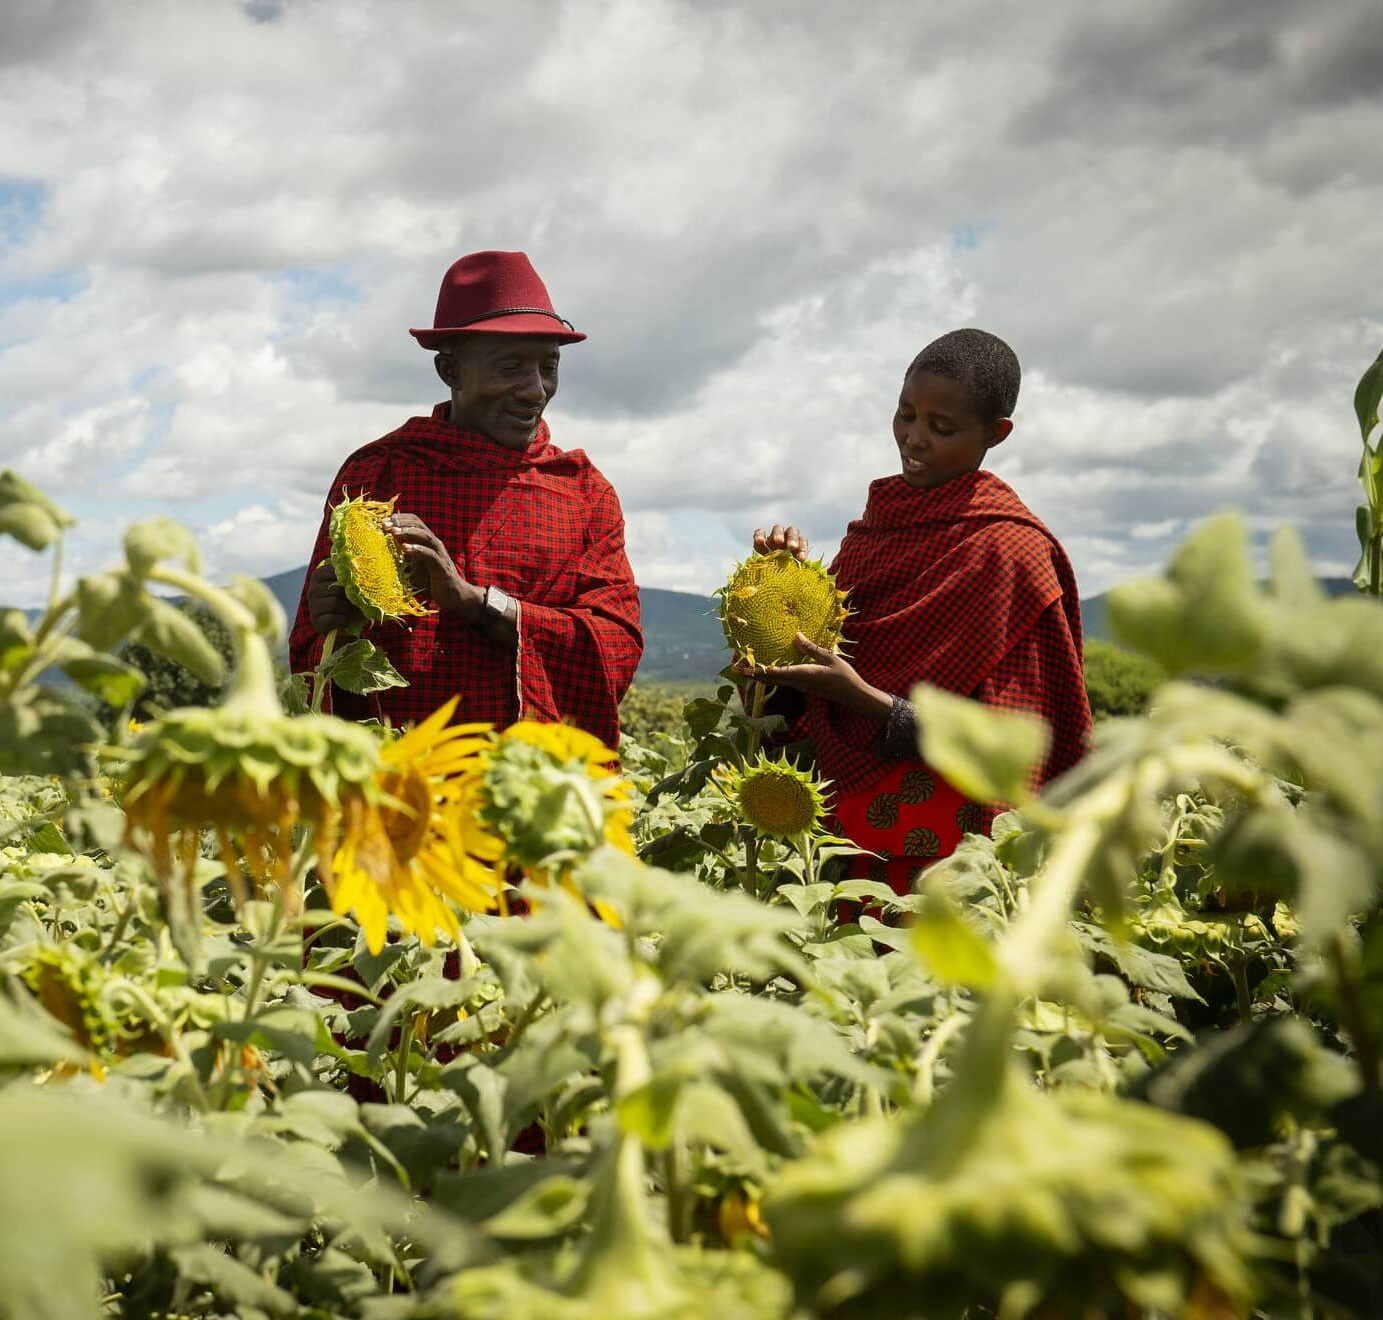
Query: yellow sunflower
x=369 y=563
x=419 y=845
x=770 y=598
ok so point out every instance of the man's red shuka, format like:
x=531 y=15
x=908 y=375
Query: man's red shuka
x=541 y=524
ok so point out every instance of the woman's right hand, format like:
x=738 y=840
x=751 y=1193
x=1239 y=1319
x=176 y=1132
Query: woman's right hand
x=780 y=538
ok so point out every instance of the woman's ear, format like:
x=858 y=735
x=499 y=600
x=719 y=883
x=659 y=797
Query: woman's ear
x=1000 y=431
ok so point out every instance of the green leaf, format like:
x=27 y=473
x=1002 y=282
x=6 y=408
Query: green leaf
x=1367 y=396
x=27 y=514
x=361 y=667
x=953 y=951
x=431 y=993
x=158 y=538
x=116 y=683
x=45 y=731
x=1205 y=615
x=648 y=1111
x=263 y=604
x=1292 y=580
x=173 y=633
x=110 y=606
x=701 y=716
x=989 y=755
x=16 y=639
x=231 y=1280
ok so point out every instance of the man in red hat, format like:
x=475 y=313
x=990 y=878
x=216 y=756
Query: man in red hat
x=518 y=545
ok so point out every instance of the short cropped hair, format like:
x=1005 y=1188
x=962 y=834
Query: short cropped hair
x=980 y=362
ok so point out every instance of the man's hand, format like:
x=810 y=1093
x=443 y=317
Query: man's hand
x=328 y=606
x=433 y=570
x=780 y=538
x=826 y=675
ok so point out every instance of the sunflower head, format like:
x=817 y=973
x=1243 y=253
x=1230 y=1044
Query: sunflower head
x=248 y=775
x=416 y=848
x=775 y=797
x=770 y=598
x=368 y=561
x=551 y=795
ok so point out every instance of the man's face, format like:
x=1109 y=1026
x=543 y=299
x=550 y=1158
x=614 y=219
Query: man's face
x=938 y=432
x=502 y=384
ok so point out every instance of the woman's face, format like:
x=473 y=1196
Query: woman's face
x=938 y=432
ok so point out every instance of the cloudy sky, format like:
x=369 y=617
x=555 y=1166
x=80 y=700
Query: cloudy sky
x=218 y=219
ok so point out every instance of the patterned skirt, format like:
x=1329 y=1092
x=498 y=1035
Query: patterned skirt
x=911 y=817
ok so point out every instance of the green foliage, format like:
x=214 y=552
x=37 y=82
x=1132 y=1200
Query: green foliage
x=1125 y=1060
x=1118 y=682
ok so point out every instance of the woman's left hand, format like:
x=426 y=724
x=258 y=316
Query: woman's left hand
x=827 y=675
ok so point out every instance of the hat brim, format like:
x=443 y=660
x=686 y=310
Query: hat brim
x=522 y=324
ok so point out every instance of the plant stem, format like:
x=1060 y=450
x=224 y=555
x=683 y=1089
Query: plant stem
x=1238 y=970
x=320 y=684
x=401 y=1062
x=1343 y=962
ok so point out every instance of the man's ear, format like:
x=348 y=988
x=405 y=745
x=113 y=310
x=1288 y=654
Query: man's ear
x=1000 y=431
x=448 y=364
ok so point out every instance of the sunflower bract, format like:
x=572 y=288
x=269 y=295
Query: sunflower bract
x=549 y=792
x=770 y=598
x=369 y=563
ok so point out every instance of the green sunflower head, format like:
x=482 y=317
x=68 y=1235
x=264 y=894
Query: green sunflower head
x=770 y=598
x=775 y=797
x=369 y=563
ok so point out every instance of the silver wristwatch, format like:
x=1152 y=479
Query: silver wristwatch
x=498 y=603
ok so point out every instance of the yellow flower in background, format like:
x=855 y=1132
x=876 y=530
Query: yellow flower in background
x=774 y=796
x=369 y=563
x=419 y=844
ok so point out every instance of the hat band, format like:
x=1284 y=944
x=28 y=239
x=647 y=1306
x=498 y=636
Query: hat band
x=509 y=311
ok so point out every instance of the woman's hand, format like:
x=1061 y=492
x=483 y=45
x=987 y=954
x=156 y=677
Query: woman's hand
x=780 y=538
x=433 y=570
x=825 y=675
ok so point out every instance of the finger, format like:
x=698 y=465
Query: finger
x=777 y=536
x=760 y=540
x=809 y=648
x=796 y=542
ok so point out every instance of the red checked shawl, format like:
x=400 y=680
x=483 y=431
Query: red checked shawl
x=543 y=525
x=963 y=587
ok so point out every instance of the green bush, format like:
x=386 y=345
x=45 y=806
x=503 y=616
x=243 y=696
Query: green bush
x=1117 y=681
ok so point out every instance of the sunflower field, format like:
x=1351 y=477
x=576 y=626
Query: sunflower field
x=300 y=1018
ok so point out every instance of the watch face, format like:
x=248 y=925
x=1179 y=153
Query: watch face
x=496 y=600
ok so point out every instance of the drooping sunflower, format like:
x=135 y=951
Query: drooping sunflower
x=419 y=841
x=369 y=563
x=770 y=598
x=245 y=771
x=774 y=796
x=552 y=794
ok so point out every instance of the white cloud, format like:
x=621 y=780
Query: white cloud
x=215 y=231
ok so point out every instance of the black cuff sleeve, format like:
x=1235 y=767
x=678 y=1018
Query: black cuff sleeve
x=898 y=740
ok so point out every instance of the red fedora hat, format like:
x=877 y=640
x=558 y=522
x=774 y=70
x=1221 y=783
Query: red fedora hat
x=494 y=293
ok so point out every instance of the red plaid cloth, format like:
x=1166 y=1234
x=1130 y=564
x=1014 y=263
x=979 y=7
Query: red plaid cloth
x=959 y=586
x=543 y=525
